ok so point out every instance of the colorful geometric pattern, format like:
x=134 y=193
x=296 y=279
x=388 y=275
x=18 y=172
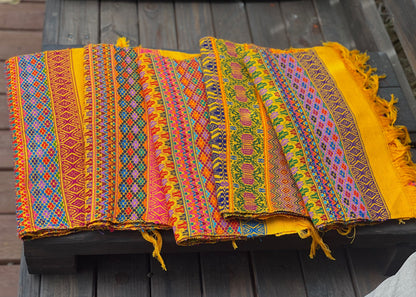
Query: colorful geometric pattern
x=100 y=134
x=133 y=153
x=175 y=88
x=48 y=143
x=354 y=150
x=255 y=180
x=327 y=201
x=237 y=142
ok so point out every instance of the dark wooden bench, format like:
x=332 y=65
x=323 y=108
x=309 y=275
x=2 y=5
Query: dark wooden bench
x=269 y=266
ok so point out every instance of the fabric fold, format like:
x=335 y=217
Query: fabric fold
x=234 y=142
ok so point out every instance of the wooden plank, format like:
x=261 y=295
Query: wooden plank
x=78 y=22
x=7 y=193
x=405 y=115
x=226 y=274
x=324 y=277
x=6 y=152
x=3 y=82
x=404 y=21
x=19 y=43
x=267 y=25
x=193 y=21
x=4 y=111
x=77 y=284
x=302 y=24
x=278 y=273
x=381 y=62
x=123 y=275
x=230 y=21
x=181 y=279
x=51 y=26
x=334 y=24
x=367 y=267
x=119 y=19
x=29 y=284
x=370 y=35
x=10 y=245
x=9 y=280
x=157 y=27
x=26 y=16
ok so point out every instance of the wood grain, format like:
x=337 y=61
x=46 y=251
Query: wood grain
x=226 y=274
x=230 y=21
x=267 y=25
x=3 y=82
x=26 y=16
x=367 y=267
x=10 y=245
x=29 y=284
x=7 y=193
x=302 y=24
x=19 y=43
x=404 y=21
x=6 y=152
x=324 y=277
x=334 y=24
x=78 y=22
x=9 y=280
x=77 y=284
x=181 y=279
x=52 y=21
x=157 y=24
x=119 y=19
x=4 y=111
x=123 y=275
x=278 y=273
x=193 y=21
x=369 y=34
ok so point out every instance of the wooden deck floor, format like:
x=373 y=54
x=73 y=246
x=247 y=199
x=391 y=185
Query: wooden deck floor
x=179 y=25
x=20 y=32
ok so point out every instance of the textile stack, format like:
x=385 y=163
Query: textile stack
x=234 y=142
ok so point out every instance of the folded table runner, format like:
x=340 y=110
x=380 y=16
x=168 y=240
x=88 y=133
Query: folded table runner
x=235 y=142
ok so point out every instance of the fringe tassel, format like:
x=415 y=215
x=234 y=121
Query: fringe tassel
x=316 y=241
x=155 y=238
x=397 y=136
x=122 y=42
x=235 y=246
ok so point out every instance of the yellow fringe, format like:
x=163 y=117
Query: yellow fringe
x=122 y=42
x=155 y=238
x=316 y=241
x=397 y=136
x=345 y=231
x=234 y=245
x=401 y=222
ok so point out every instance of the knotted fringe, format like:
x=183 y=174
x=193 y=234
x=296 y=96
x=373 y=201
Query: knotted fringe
x=235 y=246
x=397 y=136
x=311 y=231
x=346 y=232
x=122 y=42
x=155 y=238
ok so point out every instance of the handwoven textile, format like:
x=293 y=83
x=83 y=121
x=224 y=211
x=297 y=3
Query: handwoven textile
x=336 y=134
x=177 y=109
x=252 y=174
x=234 y=142
x=123 y=182
x=45 y=99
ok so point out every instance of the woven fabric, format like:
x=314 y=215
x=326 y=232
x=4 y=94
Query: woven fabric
x=314 y=99
x=48 y=143
x=123 y=180
x=235 y=142
x=252 y=175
